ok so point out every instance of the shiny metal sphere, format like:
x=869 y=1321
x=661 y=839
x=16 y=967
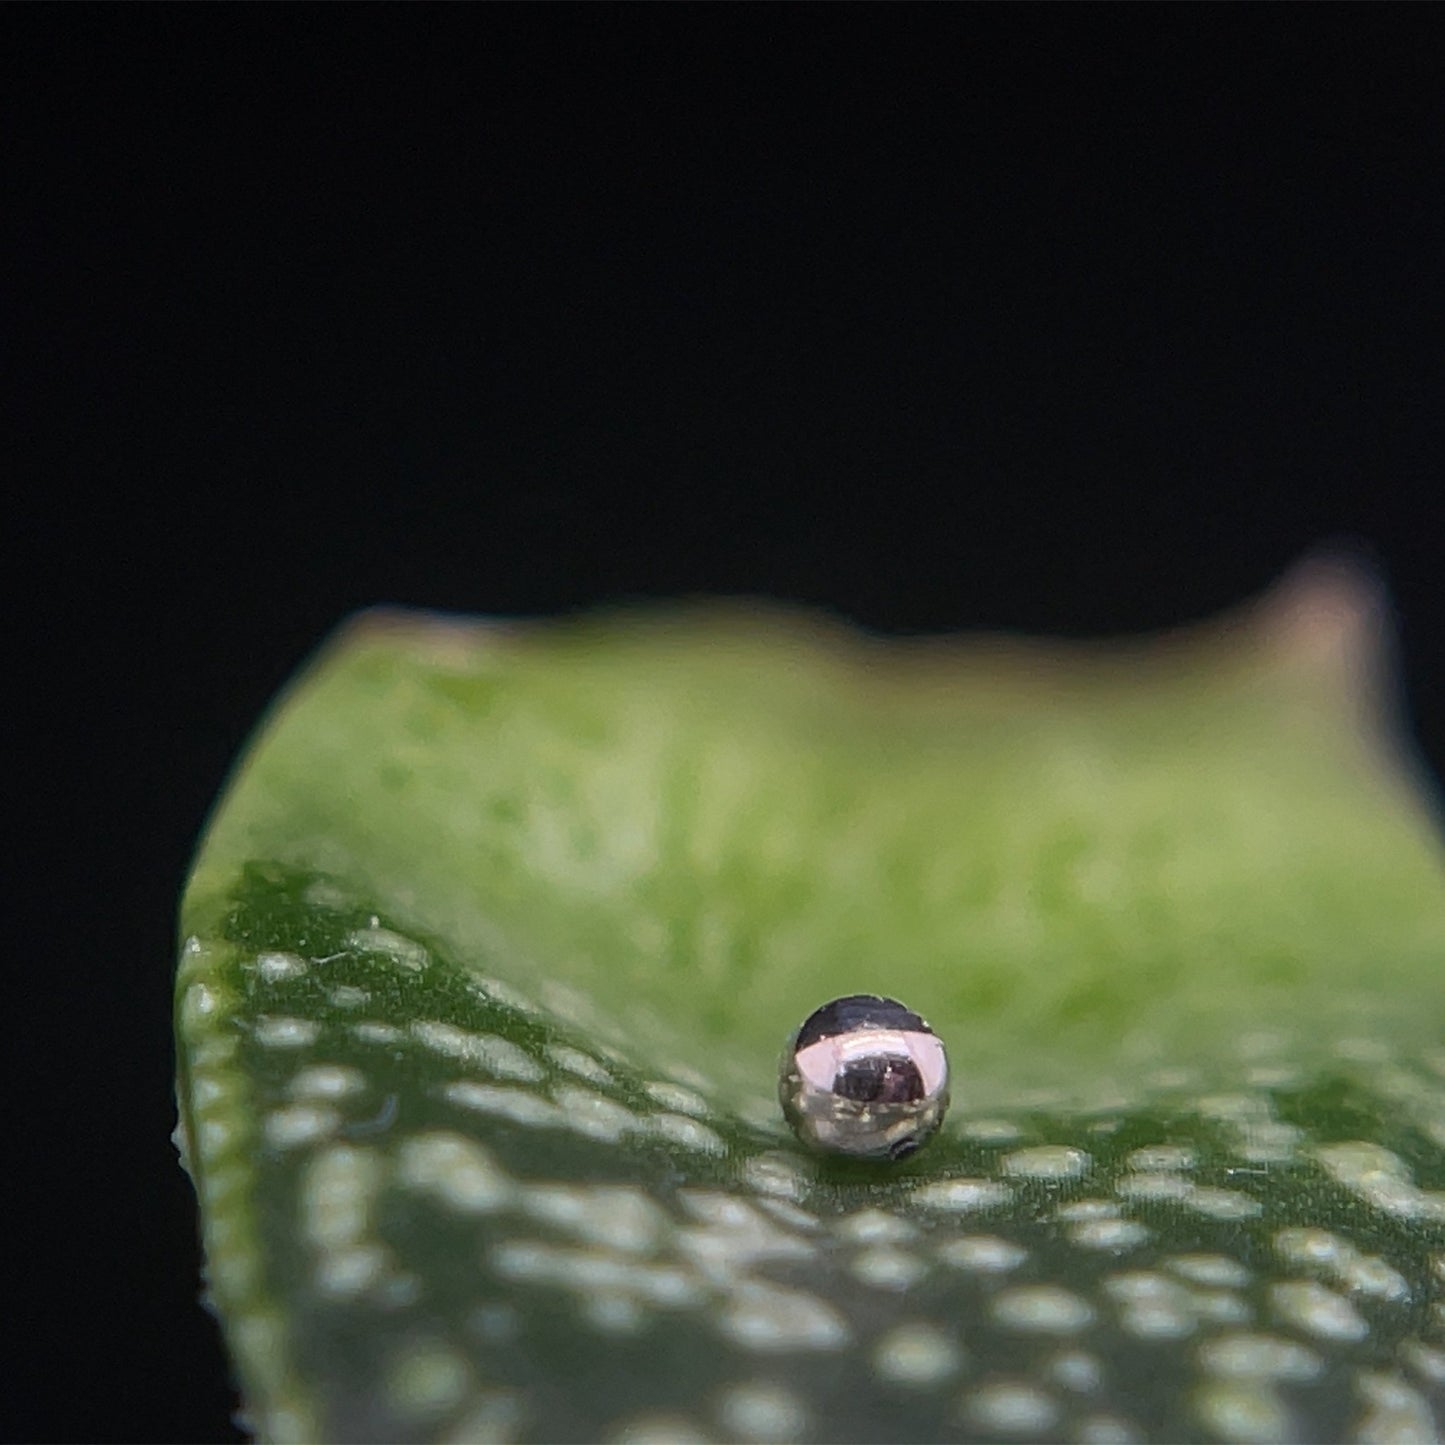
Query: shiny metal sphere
x=864 y=1076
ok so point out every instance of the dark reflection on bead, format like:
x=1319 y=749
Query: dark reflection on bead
x=880 y=1079
x=857 y=1011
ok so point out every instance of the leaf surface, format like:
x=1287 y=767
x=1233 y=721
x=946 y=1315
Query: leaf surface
x=493 y=942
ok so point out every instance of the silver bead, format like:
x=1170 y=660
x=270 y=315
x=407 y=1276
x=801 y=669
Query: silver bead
x=864 y=1076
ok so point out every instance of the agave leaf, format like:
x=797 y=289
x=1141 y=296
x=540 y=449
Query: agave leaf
x=494 y=939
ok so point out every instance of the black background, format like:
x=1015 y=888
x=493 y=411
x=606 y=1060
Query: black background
x=1063 y=320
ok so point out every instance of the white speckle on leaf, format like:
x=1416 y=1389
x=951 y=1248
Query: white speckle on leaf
x=962 y=1196
x=676 y=1099
x=1152 y=1185
x=1151 y=1306
x=613 y=1215
x=405 y=952
x=982 y=1254
x=495 y=1056
x=280 y=967
x=1270 y=1142
x=1046 y=1161
x=371 y=1031
x=322 y=893
x=198 y=1004
x=1080 y=1209
x=1041 y=1309
x=214 y=1051
x=275 y=1032
x=1171 y=1158
x=775 y=1175
x=1137 y=1286
x=224 y=1236
x=760 y=1413
x=792 y=1215
x=338 y=1195
x=1108 y=1234
x=1309 y=1306
x=1334 y=1257
x=594 y=1272
x=594 y=1116
x=1395 y=1412
x=1219 y=1306
x=1368 y=1274
x=1382 y=1179
x=686 y=1133
x=1363 y=1050
x=916 y=1354
x=1426 y=1362
x=455 y=1170
x=1009 y=1407
x=220 y=1183
x=1210 y=1269
x=770 y=1319
x=427 y=1380
x=613 y=1313
x=1243 y=1412
x=1222 y=1203
x=1157 y=1321
x=885 y=1268
x=1233 y=1108
x=492 y=1417
x=1107 y=1430
x=1258 y=1357
x=327 y=1081
x=1213 y=1203
x=990 y=1131
x=722 y=1252
x=348 y=996
x=665 y=1286
x=494 y=991
x=656 y=1429
x=346 y=1273
x=520 y=1106
x=284 y=1422
x=874 y=1226
x=300 y=1124
x=1312 y=1247
x=1076 y=1371
x=712 y=1206
x=584 y=1066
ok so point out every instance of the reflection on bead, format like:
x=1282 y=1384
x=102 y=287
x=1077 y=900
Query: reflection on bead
x=864 y=1076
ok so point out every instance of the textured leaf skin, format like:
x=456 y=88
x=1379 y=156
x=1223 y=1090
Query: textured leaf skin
x=493 y=942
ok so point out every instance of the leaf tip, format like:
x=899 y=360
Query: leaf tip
x=1331 y=611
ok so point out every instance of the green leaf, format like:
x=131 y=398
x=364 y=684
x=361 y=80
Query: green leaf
x=496 y=935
